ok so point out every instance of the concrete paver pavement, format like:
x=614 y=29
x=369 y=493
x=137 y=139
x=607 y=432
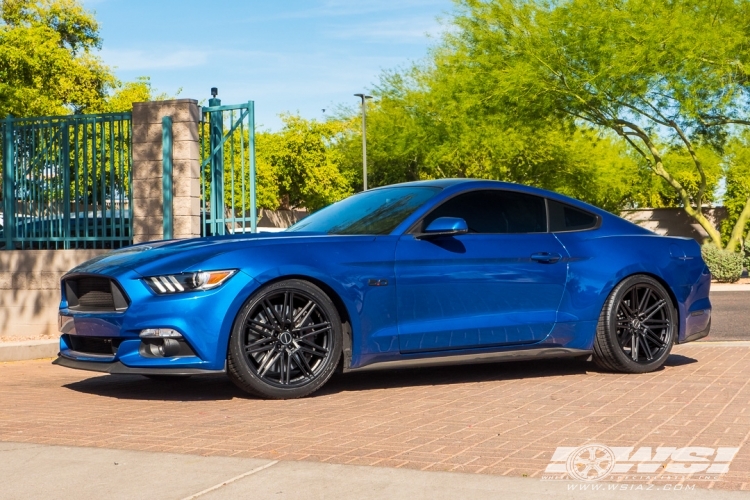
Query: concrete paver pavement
x=51 y=472
x=495 y=419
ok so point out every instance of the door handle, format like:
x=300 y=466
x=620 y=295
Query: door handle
x=546 y=257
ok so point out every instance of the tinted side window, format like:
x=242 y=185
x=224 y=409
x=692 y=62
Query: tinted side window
x=495 y=212
x=563 y=217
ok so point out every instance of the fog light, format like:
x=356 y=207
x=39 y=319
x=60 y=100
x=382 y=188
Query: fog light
x=160 y=333
x=163 y=348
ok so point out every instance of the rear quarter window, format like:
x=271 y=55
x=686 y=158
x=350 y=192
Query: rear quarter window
x=564 y=217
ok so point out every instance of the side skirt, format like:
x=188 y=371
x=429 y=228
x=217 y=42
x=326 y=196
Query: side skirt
x=477 y=358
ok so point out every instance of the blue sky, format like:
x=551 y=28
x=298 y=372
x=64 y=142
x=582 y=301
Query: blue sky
x=286 y=55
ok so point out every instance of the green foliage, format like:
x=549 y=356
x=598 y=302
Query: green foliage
x=46 y=61
x=306 y=167
x=123 y=95
x=669 y=84
x=737 y=176
x=725 y=266
x=48 y=66
x=424 y=125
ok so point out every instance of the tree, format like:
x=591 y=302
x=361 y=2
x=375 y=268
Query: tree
x=46 y=62
x=300 y=166
x=431 y=121
x=665 y=77
x=123 y=94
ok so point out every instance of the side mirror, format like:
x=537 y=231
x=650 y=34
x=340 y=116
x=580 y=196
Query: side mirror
x=445 y=226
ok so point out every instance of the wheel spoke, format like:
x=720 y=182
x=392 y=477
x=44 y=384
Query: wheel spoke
x=284 y=367
x=633 y=303
x=306 y=311
x=320 y=352
x=301 y=322
x=623 y=323
x=654 y=337
x=656 y=323
x=274 y=316
x=288 y=369
x=270 y=360
x=290 y=313
x=634 y=347
x=644 y=299
x=646 y=347
x=264 y=329
x=303 y=365
x=261 y=345
x=624 y=338
x=649 y=313
x=316 y=332
x=626 y=310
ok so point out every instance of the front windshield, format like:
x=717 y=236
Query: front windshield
x=378 y=211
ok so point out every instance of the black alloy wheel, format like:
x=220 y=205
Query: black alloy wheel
x=637 y=327
x=286 y=341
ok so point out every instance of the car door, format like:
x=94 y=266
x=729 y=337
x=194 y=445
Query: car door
x=500 y=284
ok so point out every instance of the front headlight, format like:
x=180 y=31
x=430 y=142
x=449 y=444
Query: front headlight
x=188 y=282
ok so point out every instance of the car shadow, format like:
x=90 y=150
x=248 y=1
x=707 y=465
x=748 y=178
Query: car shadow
x=461 y=374
x=218 y=387
x=679 y=360
x=196 y=388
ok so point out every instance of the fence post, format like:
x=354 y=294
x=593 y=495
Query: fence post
x=68 y=223
x=8 y=183
x=166 y=140
x=216 y=135
x=149 y=193
x=253 y=197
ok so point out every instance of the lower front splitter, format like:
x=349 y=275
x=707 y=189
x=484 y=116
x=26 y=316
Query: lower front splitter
x=117 y=368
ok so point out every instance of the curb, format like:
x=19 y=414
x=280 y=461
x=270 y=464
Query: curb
x=728 y=287
x=29 y=349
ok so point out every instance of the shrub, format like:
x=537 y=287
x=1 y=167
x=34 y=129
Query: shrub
x=725 y=267
x=746 y=260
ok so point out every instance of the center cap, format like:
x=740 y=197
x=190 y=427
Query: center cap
x=636 y=324
x=285 y=338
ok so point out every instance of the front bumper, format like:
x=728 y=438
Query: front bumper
x=204 y=319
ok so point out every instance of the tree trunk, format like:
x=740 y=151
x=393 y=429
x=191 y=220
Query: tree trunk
x=739 y=227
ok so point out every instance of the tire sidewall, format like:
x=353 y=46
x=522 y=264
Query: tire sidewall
x=617 y=295
x=236 y=354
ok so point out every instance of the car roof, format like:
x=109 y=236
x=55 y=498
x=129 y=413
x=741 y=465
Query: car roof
x=463 y=183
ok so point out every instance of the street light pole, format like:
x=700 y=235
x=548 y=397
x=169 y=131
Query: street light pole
x=364 y=97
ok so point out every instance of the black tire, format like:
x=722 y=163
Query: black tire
x=286 y=341
x=637 y=327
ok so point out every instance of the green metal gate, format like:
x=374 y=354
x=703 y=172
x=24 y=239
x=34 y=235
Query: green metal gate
x=66 y=182
x=227 y=145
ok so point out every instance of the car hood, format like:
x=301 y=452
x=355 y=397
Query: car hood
x=175 y=256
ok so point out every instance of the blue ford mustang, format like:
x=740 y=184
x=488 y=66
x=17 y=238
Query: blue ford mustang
x=445 y=271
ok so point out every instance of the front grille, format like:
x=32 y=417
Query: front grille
x=94 y=293
x=93 y=345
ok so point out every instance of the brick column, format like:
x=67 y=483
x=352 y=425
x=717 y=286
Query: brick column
x=147 y=169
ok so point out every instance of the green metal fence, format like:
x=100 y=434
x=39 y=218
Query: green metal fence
x=67 y=182
x=227 y=145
